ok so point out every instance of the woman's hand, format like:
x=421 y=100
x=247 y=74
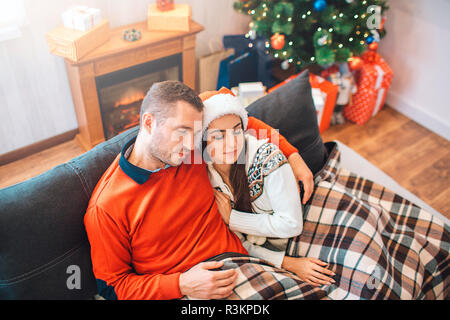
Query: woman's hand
x=302 y=173
x=224 y=205
x=310 y=270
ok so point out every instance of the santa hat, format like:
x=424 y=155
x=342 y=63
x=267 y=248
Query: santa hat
x=220 y=103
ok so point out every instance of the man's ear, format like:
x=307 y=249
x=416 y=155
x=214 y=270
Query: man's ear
x=148 y=121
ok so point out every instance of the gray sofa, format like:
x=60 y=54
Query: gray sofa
x=42 y=232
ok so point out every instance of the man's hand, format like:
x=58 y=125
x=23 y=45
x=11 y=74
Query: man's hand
x=302 y=173
x=224 y=205
x=202 y=283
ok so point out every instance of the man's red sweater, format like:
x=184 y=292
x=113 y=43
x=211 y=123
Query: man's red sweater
x=147 y=227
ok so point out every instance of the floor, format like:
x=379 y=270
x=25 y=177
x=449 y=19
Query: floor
x=415 y=157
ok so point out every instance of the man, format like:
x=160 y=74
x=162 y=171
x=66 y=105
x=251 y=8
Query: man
x=152 y=220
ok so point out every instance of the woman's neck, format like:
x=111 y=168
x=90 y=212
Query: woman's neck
x=224 y=171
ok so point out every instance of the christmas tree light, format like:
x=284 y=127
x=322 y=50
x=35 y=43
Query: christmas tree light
x=315 y=31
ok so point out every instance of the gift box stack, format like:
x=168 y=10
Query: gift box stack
x=373 y=80
x=83 y=30
x=324 y=95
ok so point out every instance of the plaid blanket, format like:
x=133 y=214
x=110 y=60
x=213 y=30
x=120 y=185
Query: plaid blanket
x=380 y=245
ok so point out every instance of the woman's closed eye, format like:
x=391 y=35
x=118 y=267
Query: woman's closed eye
x=237 y=131
x=217 y=137
x=221 y=135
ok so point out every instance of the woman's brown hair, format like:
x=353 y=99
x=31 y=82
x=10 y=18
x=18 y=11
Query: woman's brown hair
x=239 y=181
x=239 y=184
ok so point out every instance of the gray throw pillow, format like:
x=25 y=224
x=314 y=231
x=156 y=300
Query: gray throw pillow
x=290 y=109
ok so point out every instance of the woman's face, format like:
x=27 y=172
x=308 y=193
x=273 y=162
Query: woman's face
x=225 y=139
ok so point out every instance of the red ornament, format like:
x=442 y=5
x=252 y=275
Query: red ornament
x=277 y=41
x=355 y=63
x=373 y=46
x=165 y=5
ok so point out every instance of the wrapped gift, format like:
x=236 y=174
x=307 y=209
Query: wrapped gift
x=324 y=95
x=177 y=19
x=373 y=80
x=343 y=78
x=249 y=92
x=81 y=18
x=74 y=44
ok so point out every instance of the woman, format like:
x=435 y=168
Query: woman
x=253 y=176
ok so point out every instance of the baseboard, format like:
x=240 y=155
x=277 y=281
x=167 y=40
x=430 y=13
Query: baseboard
x=419 y=115
x=37 y=147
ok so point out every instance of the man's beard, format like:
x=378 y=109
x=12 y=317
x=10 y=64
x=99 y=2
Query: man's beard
x=169 y=157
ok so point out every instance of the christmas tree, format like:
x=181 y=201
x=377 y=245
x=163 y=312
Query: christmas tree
x=320 y=32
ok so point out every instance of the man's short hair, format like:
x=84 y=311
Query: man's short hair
x=162 y=97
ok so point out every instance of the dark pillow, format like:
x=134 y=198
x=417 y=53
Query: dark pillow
x=290 y=109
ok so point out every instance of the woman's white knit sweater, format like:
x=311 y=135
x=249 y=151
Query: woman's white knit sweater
x=275 y=200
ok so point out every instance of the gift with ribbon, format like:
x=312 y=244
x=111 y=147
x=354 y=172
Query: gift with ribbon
x=81 y=18
x=373 y=80
x=324 y=94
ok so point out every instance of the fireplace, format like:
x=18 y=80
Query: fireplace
x=121 y=93
x=109 y=84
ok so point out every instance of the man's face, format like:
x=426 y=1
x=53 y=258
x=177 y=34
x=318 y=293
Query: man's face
x=173 y=139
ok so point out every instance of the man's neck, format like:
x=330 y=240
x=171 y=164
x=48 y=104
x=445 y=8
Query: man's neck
x=140 y=157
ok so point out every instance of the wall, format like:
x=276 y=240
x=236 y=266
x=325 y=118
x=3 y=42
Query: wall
x=35 y=98
x=417 y=48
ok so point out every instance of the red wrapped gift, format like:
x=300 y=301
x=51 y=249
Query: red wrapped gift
x=324 y=96
x=373 y=81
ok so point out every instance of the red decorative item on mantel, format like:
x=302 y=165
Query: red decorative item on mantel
x=165 y=5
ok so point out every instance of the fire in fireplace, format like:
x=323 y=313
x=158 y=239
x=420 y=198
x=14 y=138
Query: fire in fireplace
x=121 y=93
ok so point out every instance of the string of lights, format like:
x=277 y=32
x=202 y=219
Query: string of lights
x=323 y=32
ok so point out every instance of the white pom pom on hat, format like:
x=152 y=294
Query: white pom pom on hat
x=220 y=103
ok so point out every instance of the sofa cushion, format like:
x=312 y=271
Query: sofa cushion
x=290 y=109
x=42 y=232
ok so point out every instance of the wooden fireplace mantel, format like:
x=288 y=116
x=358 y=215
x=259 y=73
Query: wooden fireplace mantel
x=117 y=54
